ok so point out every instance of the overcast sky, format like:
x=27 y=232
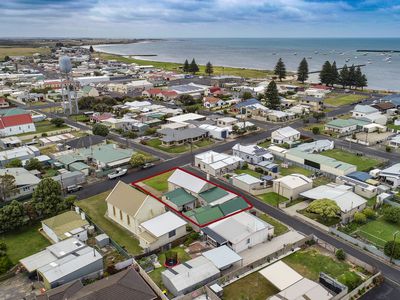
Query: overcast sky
x=199 y=18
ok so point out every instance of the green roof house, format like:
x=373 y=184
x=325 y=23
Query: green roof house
x=180 y=199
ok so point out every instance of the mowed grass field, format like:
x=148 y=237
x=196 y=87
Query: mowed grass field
x=218 y=70
x=251 y=287
x=95 y=207
x=363 y=163
x=378 y=232
x=159 y=182
x=24 y=242
x=339 y=100
x=21 y=51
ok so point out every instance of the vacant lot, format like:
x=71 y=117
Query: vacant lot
x=272 y=198
x=339 y=100
x=159 y=182
x=248 y=171
x=95 y=207
x=24 y=242
x=294 y=169
x=21 y=51
x=363 y=163
x=251 y=287
x=279 y=229
x=311 y=262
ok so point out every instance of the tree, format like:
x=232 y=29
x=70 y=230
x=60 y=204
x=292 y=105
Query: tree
x=316 y=130
x=247 y=95
x=209 y=69
x=280 y=69
x=302 y=71
x=186 y=100
x=5 y=263
x=326 y=208
x=186 y=66
x=91 y=49
x=340 y=254
x=391 y=214
x=334 y=74
x=7 y=58
x=318 y=116
x=137 y=160
x=325 y=76
x=369 y=213
x=360 y=218
x=12 y=216
x=100 y=129
x=58 y=122
x=15 y=163
x=33 y=164
x=392 y=249
x=360 y=80
x=193 y=68
x=7 y=186
x=352 y=76
x=47 y=198
x=272 y=96
x=344 y=76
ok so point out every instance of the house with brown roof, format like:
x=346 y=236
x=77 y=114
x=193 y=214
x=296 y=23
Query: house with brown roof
x=125 y=285
x=211 y=102
x=383 y=107
x=130 y=207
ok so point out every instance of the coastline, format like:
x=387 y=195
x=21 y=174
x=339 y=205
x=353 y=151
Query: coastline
x=174 y=66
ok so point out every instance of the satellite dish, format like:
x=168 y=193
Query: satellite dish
x=65 y=64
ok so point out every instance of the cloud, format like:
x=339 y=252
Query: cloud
x=163 y=15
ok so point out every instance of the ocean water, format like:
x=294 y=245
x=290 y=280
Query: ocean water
x=382 y=70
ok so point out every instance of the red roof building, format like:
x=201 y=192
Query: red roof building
x=15 y=121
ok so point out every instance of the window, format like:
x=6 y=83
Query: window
x=120 y=215
x=128 y=219
x=171 y=233
x=114 y=210
x=248 y=241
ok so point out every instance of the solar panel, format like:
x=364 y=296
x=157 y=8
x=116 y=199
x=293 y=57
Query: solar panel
x=173 y=271
x=187 y=265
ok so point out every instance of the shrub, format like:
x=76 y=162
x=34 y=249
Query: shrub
x=316 y=130
x=369 y=213
x=388 y=149
x=340 y=254
x=58 y=122
x=350 y=279
x=392 y=249
x=360 y=218
x=391 y=214
x=5 y=264
x=100 y=129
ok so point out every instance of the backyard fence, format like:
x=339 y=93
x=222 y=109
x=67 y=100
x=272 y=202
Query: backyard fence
x=363 y=245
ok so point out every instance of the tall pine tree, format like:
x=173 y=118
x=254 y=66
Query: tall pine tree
x=186 y=66
x=334 y=74
x=193 y=68
x=272 y=96
x=360 y=79
x=344 y=76
x=352 y=76
x=325 y=75
x=302 y=71
x=280 y=69
x=209 y=69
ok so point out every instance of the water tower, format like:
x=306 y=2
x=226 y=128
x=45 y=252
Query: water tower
x=66 y=83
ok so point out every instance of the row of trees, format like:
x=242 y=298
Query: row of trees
x=194 y=68
x=46 y=201
x=351 y=77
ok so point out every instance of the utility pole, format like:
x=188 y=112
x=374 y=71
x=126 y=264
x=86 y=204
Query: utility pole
x=394 y=245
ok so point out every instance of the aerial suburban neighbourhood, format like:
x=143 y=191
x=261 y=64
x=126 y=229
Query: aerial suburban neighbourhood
x=126 y=174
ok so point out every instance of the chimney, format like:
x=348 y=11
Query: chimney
x=77 y=209
x=83 y=216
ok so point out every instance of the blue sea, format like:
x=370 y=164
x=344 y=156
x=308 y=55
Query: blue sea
x=382 y=69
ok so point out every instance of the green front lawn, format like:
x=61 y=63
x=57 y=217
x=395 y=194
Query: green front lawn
x=24 y=242
x=311 y=262
x=363 y=163
x=340 y=99
x=378 y=231
x=248 y=171
x=294 y=169
x=204 y=143
x=159 y=182
x=272 y=198
x=44 y=126
x=392 y=126
x=251 y=287
x=279 y=228
x=265 y=144
x=156 y=143
x=325 y=221
x=95 y=207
